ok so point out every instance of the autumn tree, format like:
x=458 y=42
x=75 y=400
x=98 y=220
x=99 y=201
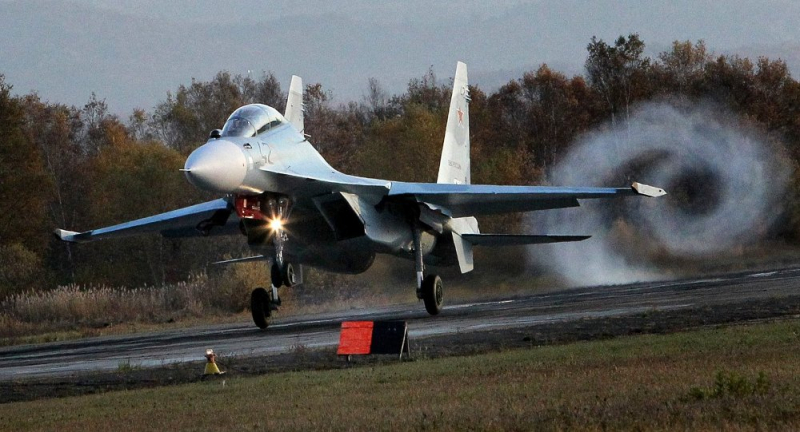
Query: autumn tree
x=132 y=180
x=618 y=72
x=54 y=130
x=23 y=193
x=680 y=70
x=404 y=148
x=185 y=119
x=558 y=109
x=377 y=103
x=88 y=168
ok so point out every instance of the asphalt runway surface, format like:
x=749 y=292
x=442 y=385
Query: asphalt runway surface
x=477 y=320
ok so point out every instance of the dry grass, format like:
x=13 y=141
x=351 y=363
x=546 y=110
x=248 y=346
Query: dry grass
x=73 y=311
x=637 y=383
x=70 y=311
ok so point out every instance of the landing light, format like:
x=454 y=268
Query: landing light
x=276 y=224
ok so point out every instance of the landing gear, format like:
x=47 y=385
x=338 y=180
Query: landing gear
x=283 y=275
x=429 y=288
x=261 y=305
x=288 y=275
x=432 y=294
x=264 y=216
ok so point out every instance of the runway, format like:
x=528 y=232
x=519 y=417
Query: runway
x=322 y=330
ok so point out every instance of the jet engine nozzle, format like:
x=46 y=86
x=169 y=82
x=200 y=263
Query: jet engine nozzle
x=217 y=166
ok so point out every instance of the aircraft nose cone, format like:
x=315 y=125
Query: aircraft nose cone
x=218 y=166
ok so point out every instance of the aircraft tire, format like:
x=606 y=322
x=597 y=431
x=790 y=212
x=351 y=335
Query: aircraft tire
x=432 y=294
x=276 y=274
x=260 y=307
x=288 y=275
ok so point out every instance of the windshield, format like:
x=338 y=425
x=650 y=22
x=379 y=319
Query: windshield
x=251 y=120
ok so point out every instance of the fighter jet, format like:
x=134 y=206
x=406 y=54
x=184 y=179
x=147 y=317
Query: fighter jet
x=295 y=209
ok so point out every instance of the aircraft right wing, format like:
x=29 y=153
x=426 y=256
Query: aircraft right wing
x=189 y=221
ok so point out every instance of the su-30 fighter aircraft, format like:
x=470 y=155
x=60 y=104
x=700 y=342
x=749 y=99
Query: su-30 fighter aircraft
x=296 y=209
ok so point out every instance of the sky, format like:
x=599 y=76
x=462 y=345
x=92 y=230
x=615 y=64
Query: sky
x=132 y=52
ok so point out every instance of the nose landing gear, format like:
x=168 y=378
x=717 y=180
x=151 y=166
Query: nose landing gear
x=268 y=214
x=262 y=303
x=283 y=275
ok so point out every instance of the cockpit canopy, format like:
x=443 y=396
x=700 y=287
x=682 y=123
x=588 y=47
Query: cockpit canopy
x=251 y=120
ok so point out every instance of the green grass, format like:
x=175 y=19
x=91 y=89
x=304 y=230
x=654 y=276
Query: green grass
x=748 y=376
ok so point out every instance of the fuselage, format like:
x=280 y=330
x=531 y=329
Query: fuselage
x=336 y=231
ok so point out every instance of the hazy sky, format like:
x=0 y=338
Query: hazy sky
x=131 y=52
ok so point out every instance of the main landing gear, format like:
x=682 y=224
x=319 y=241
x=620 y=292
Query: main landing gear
x=431 y=293
x=429 y=288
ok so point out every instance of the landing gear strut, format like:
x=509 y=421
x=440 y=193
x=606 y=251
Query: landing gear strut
x=281 y=272
x=429 y=288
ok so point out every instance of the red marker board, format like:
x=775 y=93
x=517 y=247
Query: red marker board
x=355 y=338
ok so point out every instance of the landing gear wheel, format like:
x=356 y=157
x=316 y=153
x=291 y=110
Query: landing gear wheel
x=288 y=275
x=432 y=294
x=260 y=307
x=276 y=275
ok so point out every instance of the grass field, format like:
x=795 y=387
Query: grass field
x=733 y=378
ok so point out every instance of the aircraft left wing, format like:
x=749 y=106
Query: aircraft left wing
x=474 y=200
x=199 y=219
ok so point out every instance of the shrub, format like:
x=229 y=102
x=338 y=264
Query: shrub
x=732 y=384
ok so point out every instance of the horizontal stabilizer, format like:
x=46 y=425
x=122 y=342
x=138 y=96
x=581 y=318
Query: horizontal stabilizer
x=518 y=239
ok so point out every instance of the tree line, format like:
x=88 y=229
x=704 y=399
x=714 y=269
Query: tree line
x=83 y=167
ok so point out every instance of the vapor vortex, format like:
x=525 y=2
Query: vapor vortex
x=724 y=188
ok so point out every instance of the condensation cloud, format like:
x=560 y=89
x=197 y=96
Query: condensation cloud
x=725 y=186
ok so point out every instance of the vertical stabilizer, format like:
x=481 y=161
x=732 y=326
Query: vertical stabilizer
x=294 y=104
x=454 y=166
